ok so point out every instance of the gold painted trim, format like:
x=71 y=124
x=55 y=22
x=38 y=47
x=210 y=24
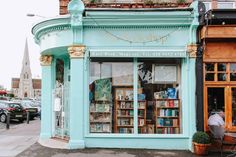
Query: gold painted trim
x=192 y=50
x=76 y=51
x=45 y=60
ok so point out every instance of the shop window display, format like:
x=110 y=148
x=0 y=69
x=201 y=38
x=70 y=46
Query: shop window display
x=112 y=97
x=111 y=106
x=159 y=83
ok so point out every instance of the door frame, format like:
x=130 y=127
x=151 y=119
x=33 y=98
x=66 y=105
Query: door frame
x=228 y=106
x=230 y=127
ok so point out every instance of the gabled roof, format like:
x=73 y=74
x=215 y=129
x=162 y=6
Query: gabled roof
x=36 y=83
x=15 y=82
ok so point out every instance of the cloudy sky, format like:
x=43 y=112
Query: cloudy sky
x=14 y=29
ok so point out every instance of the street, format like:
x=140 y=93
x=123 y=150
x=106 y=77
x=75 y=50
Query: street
x=21 y=141
x=19 y=137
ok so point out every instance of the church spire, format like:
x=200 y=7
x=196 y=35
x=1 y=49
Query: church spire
x=25 y=61
x=26 y=87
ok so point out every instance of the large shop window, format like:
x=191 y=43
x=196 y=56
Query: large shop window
x=112 y=102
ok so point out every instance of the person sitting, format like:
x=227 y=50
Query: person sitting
x=216 y=124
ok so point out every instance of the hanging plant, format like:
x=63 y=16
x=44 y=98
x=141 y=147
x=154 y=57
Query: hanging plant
x=148 y=2
x=181 y=1
x=92 y=1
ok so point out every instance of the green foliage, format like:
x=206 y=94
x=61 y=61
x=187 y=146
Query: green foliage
x=181 y=1
x=148 y=2
x=92 y=1
x=201 y=137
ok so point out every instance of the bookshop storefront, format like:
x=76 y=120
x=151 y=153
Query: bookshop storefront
x=121 y=82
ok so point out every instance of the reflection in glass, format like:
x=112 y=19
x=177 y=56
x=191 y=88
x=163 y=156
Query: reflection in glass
x=232 y=76
x=111 y=103
x=232 y=67
x=159 y=110
x=209 y=66
x=221 y=66
x=209 y=76
x=233 y=90
x=221 y=77
x=215 y=99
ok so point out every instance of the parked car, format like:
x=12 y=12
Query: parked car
x=28 y=106
x=15 y=109
x=38 y=105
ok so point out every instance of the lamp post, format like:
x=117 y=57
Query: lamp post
x=33 y=15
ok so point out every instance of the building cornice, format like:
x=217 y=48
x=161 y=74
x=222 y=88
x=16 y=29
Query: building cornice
x=115 y=20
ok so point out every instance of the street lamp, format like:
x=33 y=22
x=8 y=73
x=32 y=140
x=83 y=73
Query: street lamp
x=33 y=15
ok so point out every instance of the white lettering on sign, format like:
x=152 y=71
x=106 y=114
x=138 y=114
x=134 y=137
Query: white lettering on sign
x=137 y=54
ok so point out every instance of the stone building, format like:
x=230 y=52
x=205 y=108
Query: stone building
x=25 y=86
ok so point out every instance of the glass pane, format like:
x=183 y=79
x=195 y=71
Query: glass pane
x=221 y=67
x=111 y=97
x=222 y=77
x=232 y=76
x=209 y=66
x=232 y=67
x=225 y=5
x=209 y=76
x=207 y=5
x=233 y=90
x=159 y=105
x=216 y=100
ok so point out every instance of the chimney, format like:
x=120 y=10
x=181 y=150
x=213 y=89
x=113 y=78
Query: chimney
x=63 y=7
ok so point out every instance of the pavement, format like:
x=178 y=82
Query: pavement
x=22 y=141
x=38 y=150
x=18 y=138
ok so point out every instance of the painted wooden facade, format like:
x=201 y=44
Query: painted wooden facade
x=218 y=50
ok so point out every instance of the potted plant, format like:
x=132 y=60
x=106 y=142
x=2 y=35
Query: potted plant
x=201 y=143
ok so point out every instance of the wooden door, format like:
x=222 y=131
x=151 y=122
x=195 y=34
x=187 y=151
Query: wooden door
x=215 y=99
x=231 y=116
x=221 y=98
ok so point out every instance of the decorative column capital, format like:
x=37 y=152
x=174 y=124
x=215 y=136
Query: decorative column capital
x=45 y=60
x=76 y=51
x=192 y=50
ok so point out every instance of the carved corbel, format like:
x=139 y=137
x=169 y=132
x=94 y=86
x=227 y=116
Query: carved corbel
x=76 y=51
x=45 y=60
x=192 y=50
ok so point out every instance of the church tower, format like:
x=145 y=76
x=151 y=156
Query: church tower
x=25 y=86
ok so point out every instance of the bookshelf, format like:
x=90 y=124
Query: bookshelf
x=100 y=117
x=167 y=116
x=124 y=112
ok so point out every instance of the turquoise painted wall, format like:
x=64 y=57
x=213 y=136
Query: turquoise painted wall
x=112 y=30
x=46 y=110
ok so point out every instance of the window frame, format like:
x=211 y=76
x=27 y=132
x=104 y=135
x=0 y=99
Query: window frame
x=182 y=134
x=233 y=5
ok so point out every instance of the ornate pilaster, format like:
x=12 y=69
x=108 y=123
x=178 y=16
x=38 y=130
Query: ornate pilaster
x=192 y=50
x=45 y=60
x=76 y=51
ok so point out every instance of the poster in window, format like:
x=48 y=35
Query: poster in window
x=122 y=74
x=103 y=90
x=165 y=74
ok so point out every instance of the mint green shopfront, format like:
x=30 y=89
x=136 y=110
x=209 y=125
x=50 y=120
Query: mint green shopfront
x=119 y=78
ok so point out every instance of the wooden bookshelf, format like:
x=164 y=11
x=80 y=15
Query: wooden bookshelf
x=124 y=112
x=167 y=116
x=100 y=117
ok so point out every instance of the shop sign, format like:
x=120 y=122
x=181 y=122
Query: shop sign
x=139 y=54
